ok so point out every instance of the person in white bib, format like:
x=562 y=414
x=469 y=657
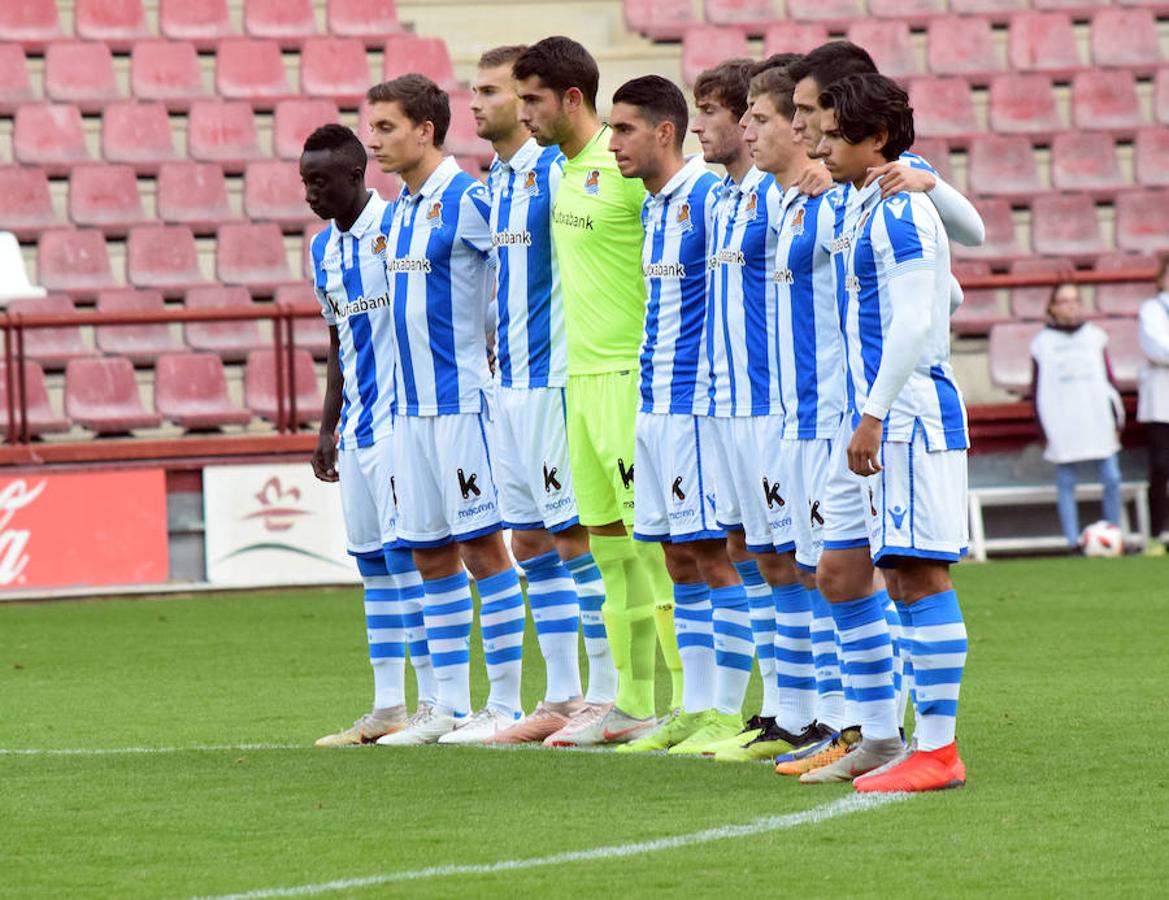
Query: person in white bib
x=1153 y=404
x=1077 y=404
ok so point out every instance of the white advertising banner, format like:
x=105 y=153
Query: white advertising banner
x=268 y=525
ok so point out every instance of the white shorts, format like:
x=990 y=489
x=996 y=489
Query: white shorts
x=444 y=485
x=810 y=467
x=529 y=445
x=367 y=497
x=751 y=485
x=915 y=506
x=673 y=486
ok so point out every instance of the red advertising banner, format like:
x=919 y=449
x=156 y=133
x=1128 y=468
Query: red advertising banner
x=85 y=529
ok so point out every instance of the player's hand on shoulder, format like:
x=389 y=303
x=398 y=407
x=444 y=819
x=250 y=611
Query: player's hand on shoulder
x=325 y=458
x=897 y=177
x=815 y=181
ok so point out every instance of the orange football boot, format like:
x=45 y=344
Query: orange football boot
x=924 y=770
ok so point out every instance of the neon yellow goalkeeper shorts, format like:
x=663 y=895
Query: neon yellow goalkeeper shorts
x=602 y=410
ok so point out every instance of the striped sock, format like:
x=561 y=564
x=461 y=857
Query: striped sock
x=852 y=713
x=867 y=650
x=383 y=628
x=556 y=612
x=795 y=668
x=761 y=602
x=400 y=564
x=591 y=591
x=447 y=611
x=939 y=657
x=894 y=622
x=734 y=647
x=694 y=625
x=829 y=687
x=502 y=619
x=907 y=690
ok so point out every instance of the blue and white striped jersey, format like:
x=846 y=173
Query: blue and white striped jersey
x=740 y=310
x=675 y=373
x=439 y=264
x=809 y=346
x=530 y=343
x=888 y=238
x=349 y=276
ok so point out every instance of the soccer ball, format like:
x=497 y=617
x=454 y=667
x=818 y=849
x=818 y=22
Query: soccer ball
x=1102 y=539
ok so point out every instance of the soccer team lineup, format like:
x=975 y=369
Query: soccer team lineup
x=716 y=413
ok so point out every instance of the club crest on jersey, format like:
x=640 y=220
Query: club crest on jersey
x=379 y=245
x=685 y=223
x=530 y=184
x=434 y=214
x=592 y=183
x=797 y=223
x=750 y=207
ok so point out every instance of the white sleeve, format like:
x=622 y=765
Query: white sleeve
x=1154 y=332
x=956 y=295
x=913 y=290
x=962 y=221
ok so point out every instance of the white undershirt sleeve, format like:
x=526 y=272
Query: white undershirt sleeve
x=962 y=221
x=912 y=291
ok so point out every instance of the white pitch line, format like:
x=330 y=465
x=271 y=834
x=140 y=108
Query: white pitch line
x=844 y=806
x=115 y=751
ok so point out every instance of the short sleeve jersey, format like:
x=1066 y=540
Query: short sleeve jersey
x=349 y=279
x=887 y=238
x=596 y=231
x=438 y=260
x=530 y=341
x=675 y=376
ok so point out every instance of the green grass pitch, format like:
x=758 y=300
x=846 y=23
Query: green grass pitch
x=1064 y=725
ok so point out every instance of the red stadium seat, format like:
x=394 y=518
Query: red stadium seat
x=407 y=52
x=296 y=120
x=106 y=197
x=167 y=71
x=15 y=87
x=1003 y=166
x=287 y=21
x=52 y=348
x=1142 y=221
x=260 y=386
x=81 y=73
x=839 y=12
x=309 y=334
x=1126 y=38
x=1121 y=298
x=202 y=22
x=26 y=204
x=141 y=344
x=753 y=16
x=194 y=195
x=223 y=132
x=334 y=68
x=190 y=389
x=962 y=46
x=915 y=12
x=1066 y=225
x=704 y=46
x=659 y=20
x=30 y=23
x=1124 y=351
x=361 y=19
x=102 y=395
x=1161 y=97
x=1106 y=100
x=1068 y=6
x=231 y=340
x=138 y=134
x=936 y=152
x=1023 y=104
x=74 y=261
x=50 y=136
x=273 y=193
x=251 y=70
x=42 y=418
x=793 y=37
x=1085 y=161
x=252 y=255
x=1009 y=355
x=995 y=10
x=1152 y=157
x=117 y=22
x=461 y=139
x=943 y=108
x=1043 y=42
x=890 y=45
x=980 y=310
x=1001 y=244
x=163 y=257
x=1031 y=302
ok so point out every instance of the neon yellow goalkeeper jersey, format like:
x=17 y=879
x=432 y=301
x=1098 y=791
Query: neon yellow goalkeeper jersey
x=597 y=232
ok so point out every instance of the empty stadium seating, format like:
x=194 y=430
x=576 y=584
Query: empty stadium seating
x=428 y=56
x=102 y=395
x=202 y=22
x=890 y=45
x=370 y=22
x=1106 y=100
x=288 y=21
x=793 y=37
x=1124 y=351
x=309 y=334
x=224 y=132
x=30 y=23
x=704 y=46
x=1126 y=38
x=106 y=197
x=916 y=12
x=81 y=73
x=753 y=16
x=1003 y=166
x=1001 y=244
x=167 y=71
x=15 y=86
x=838 y=13
x=295 y=120
x=251 y=70
x=26 y=205
x=117 y=22
x=1009 y=355
x=140 y=343
x=190 y=389
x=51 y=347
x=943 y=108
x=661 y=20
x=1142 y=221
x=1066 y=225
x=1120 y=298
x=1043 y=42
x=1031 y=302
x=74 y=261
x=962 y=46
x=1152 y=157
x=50 y=136
x=193 y=194
x=138 y=134
x=273 y=193
x=980 y=309
x=1024 y=104
x=252 y=254
x=260 y=386
x=231 y=339
x=163 y=257
x=42 y=418
x=334 y=68
x=1086 y=162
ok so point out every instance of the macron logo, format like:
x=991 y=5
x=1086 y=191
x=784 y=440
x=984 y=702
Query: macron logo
x=898 y=204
